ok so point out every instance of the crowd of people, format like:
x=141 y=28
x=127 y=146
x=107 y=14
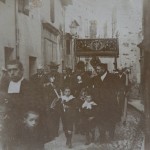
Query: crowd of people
x=82 y=101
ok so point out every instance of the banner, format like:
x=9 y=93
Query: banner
x=97 y=47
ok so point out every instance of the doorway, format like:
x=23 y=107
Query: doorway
x=32 y=65
x=8 y=52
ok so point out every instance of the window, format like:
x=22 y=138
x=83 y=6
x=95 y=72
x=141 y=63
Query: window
x=2 y=1
x=23 y=6
x=50 y=47
x=52 y=11
x=68 y=47
x=50 y=51
x=8 y=54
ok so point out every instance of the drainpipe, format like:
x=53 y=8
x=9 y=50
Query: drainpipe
x=16 y=29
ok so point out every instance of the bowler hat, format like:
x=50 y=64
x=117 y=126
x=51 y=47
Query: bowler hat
x=53 y=65
x=80 y=65
x=103 y=65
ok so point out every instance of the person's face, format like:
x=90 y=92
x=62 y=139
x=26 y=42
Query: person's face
x=40 y=71
x=79 y=78
x=67 y=92
x=100 y=71
x=52 y=79
x=88 y=98
x=32 y=120
x=14 y=72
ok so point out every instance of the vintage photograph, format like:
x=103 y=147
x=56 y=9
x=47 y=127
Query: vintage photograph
x=74 y=74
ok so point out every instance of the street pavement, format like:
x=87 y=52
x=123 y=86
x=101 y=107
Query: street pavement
x=127 y=137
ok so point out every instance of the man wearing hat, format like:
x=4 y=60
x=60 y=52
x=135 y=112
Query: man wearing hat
x=38 y=80
x=52 y=92
x=80 y=80
x=121 y=83
x=105 y=94
x=66 y=77
x=54 y=72
x=19 y=97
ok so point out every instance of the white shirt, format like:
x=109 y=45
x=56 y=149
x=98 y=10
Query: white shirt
x=14 y=87
x=67 y=99
x=88 y=105
x=103 y=76
x=120 y=75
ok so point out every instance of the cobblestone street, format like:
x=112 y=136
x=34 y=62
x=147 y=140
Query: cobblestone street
x=128 y=137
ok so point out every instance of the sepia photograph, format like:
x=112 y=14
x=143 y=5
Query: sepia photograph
x=74 y=74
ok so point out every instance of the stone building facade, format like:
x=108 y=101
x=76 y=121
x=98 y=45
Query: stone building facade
x=32 y=31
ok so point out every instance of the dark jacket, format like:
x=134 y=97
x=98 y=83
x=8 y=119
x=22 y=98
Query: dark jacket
x=121 y=82
x=17 y=102
x=16 y=105
x=28 y=139
x=77 y=87
x=38 y=84
x=105 y=95
x=87 y=113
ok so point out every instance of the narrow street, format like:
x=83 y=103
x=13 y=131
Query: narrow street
x=84 y=61
x=127 y=137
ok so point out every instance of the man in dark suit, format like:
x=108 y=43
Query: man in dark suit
x=121 y=85
x=80 y=78
x=18 y=88
x=19 y=97
x=37 y=81
x=52 y=93
x=66 y=77
x=105 y=95
x=54 y=72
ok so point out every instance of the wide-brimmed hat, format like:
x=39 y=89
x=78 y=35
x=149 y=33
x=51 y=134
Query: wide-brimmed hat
x=95 y=61
x=68 y=69
x=53 y=65
x=80 y=65
x=103 y=65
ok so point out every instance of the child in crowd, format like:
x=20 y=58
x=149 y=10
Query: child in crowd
x=28 y=136
x=68 y=112
x=88 y=114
